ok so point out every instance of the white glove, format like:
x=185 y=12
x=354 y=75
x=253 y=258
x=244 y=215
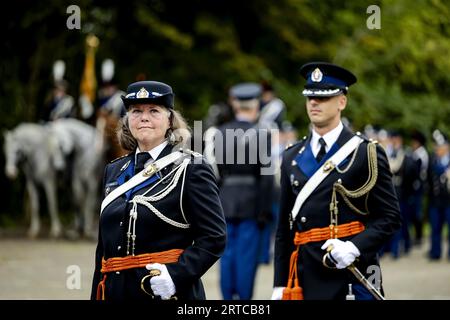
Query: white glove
x=344 y=253
x=161 y=285
x=277 y=293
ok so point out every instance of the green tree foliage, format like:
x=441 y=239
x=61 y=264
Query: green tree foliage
x=203 y=47
x=403 y=68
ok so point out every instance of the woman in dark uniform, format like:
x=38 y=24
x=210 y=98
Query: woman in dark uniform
x=161 y=225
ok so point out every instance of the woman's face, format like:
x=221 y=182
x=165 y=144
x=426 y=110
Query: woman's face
x=148 y=124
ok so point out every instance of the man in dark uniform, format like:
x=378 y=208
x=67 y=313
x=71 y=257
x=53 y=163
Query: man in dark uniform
x=109 y=94
x=161 y=209
x=439 y=193
x=110 y=109
x=405 y=171
x=422 y=158
x=242 y=152
x=59 y=104
x=336 y=196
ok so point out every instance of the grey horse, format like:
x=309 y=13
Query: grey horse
x=43 y=151
x=38 y=152
x=85 y=143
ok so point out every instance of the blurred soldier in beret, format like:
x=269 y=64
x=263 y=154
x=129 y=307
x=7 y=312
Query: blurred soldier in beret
x=338 y=204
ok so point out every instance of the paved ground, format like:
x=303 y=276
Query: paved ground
x=44 y=269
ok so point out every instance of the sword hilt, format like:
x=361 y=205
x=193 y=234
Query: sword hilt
x=327 y=261
x=153 y=273
x=359 y=276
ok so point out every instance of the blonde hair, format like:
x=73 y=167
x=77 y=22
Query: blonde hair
x=178 y=132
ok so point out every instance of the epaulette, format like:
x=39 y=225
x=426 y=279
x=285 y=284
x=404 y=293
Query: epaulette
x=117 y=159
x=192 y=153
x=365 y=138
x=290 y=145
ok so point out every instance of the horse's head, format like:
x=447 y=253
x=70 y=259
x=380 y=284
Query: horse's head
x=12 y=155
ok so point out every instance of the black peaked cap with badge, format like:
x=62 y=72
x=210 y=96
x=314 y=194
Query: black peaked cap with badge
x=246 y=91
x=325 y=79
x=153 y=92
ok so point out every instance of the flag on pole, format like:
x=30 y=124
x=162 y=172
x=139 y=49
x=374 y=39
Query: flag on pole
x=88 y=84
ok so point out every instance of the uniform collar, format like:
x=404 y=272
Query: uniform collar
x=155 y=152
x=243 y=118
x=329 y=137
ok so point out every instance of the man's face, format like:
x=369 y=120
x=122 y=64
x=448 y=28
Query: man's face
x=442 y=150
x=325 y=111
x=397 y=142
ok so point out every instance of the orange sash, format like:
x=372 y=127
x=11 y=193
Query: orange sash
x=131 y=262
x=293 y=291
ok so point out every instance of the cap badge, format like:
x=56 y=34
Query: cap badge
x=142 y=93
x=316 y=75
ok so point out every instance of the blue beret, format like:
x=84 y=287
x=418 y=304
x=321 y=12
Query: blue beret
x=246 y=91
x=153 y=92
x=326 y=79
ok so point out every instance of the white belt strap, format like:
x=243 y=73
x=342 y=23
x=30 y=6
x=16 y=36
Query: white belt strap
x=140 y=177
x=323 y=171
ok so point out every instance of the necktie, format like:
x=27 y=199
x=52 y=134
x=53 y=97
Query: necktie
x=322 y=152
x=141 y=159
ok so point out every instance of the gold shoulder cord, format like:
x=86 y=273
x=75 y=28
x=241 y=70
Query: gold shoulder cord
x=361 y=191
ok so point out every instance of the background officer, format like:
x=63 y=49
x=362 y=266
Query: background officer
x=109 y=111
x=272 y=115
x=353 y=210
x=242 y=154
x=439 y=193
x=273 y=109
x=422 y=158
x=405 y=171
x=58 y=103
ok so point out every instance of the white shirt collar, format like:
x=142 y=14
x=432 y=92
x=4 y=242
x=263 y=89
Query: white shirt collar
x=154 y=153
x=329 y=137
